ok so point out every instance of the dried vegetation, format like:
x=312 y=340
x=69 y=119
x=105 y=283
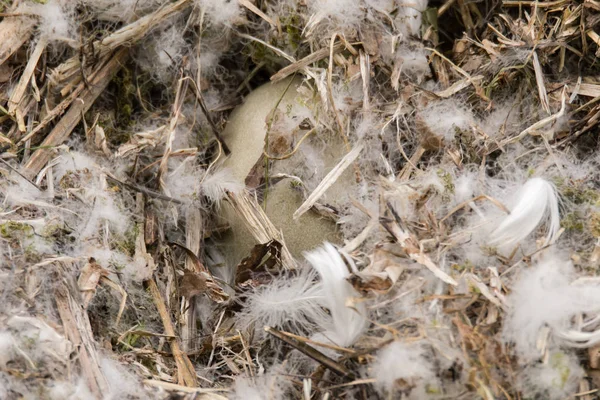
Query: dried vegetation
x=466 y=204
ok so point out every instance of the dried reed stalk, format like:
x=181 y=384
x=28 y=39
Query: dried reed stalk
x=65 y=126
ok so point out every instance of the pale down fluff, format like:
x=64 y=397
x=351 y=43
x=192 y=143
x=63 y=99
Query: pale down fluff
x=556 y=378
x=544 y=296
x=534 y=203
x=287 y=302
x=406 y=362
x=299 y=302
x=345 y=324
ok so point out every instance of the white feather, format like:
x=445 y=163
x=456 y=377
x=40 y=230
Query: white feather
x=216 y=185
x=293 y=302
x=344 y=325
x=533 y=204
x=544 y=296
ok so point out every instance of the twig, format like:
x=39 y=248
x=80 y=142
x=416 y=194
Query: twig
x=305 y=62
x=329 y=180
x=186 y=374
x=312 y=353
x=20 y=174
x=291 y=153
x=212 y=124
x=77 y=329
x=65 y=126
x=270 y=46
x=143 y=190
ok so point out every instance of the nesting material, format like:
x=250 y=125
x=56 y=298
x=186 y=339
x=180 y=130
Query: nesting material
x=534 y=203
x=299 y=199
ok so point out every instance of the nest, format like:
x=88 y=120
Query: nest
x=447 y=150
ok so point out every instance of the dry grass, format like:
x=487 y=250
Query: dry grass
x=77 y=94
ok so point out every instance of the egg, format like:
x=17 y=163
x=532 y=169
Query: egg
x=245 y=136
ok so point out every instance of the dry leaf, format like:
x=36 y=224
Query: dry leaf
x=89 y=278
x=213 y=289
x=192 y=284
x=262 y=258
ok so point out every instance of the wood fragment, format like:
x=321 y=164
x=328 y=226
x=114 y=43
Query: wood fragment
x=257 y=11
x=26 y=76
x=312 y=353
x=14 y=31
x=411 y=246
x=186 y=375
x=305 y=62
x=65 y=126
x=77 y=329
x=89 y=279
x=57 y=111
x=329 y=180
x=539 y=78
x=193 y=236
x=133 y=32
x=185 y=389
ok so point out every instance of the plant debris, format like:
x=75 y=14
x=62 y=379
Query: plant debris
x=168 y=166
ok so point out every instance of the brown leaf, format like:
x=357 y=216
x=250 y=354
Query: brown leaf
x=373 y=284
x=371 y=41
x=256 y=174
x=192 y=284
x=262 y=258
x=213 y=289
x=89 y=279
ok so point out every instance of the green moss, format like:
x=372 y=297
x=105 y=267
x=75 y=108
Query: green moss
x=292 y=23
x=468 y=144
x=126 y=92
x=558 y=363
x=52 y=230
x=71 y=180
x=447 y=179
x=430 y=19
x=466 y=266
x=594 y=224
x=262 y=55
x=430 y=389
x=128 y=242
x=15 y=230
x=132 y=91
x=130 y=340
x=581 y=196
x=474 y=289
x=572 y=222
x=32 y=255
x=577 y=193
